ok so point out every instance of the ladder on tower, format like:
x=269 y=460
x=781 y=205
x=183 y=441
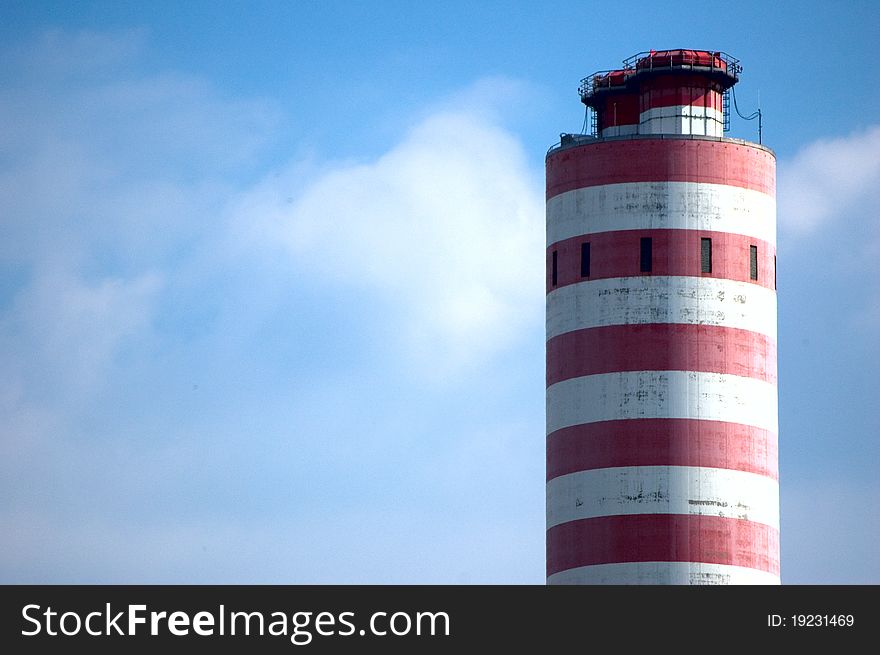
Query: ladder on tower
x=725 y=109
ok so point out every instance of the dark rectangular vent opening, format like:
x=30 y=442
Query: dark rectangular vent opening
x=646 y=255
x=706 y=255
x=753 y=262
x=585 y=259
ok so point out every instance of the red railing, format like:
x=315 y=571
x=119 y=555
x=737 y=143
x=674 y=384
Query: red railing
x=657 y=60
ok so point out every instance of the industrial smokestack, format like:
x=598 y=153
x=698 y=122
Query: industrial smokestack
x=661 y=335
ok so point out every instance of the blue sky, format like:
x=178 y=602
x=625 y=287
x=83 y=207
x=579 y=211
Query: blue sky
x=271 y=281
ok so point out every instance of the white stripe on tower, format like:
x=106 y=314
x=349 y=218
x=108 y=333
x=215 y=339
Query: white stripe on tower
x=661 y=394
x=662 y=490
x=661 y=299
x=620 y=130
x=661 y=205
x=678 y=573
x=682 y=119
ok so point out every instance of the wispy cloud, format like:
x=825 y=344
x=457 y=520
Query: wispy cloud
x=61 y=332
x=832 y=180
x=445 y=228
x=192 y=358
x=829 y=204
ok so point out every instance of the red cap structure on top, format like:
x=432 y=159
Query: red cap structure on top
x=662 y=92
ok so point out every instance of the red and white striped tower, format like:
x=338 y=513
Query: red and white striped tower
x=661 y=335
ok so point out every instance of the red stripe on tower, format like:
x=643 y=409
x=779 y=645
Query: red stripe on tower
x=662 y=538
x=661 y=347
x=673 y=252
x=662 y=442
x=661 y=335
x=710 y=161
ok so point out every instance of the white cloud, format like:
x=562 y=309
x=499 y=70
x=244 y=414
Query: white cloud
x=63 y=52
x=829 y=203
x=832 y=180
x=102 y=160
x=446 y=227
x=61 y=333
x=166 y=383
x=111 y=178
